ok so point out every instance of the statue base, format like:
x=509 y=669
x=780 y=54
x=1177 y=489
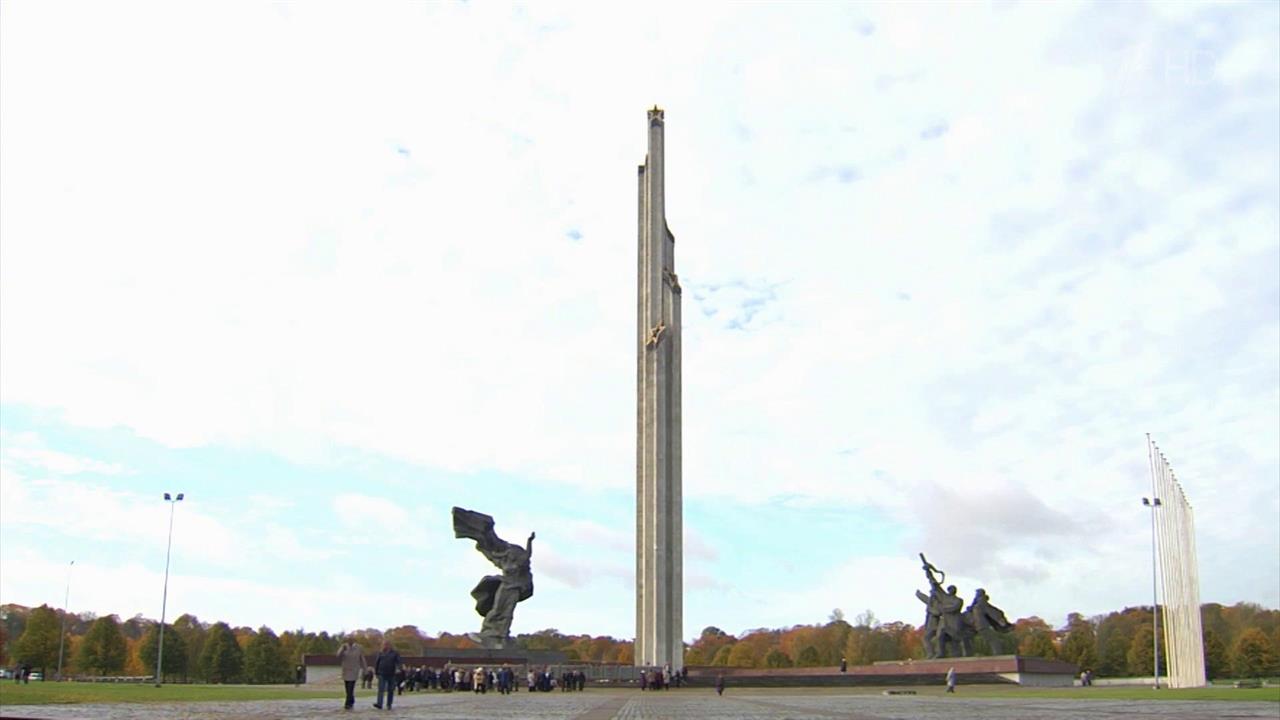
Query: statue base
x=991 y=669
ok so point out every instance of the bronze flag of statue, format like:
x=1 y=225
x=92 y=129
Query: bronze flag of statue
x=496 y=595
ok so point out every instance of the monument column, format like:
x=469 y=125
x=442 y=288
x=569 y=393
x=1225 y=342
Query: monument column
x=659 y=538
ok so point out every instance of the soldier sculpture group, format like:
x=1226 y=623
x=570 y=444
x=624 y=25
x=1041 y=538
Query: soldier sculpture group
x=949 y=628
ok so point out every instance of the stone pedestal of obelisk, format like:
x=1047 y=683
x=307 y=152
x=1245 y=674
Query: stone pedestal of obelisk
x=659 y=539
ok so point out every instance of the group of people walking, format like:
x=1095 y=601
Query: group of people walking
x=394 y=678
x=663 y=679
x=387 y=667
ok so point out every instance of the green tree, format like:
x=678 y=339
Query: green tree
x=1216 y=661
x=1254 y=655
x=193 y=633
x=722 y=656
x=15 y=623
x=263 y=661
x=742 y=655
x=866 y=645
x=777 y=659
x=548 y=639
x=222 y=660
x=175 y=651
x=1113 y=661
x=103 y=649
x=1139 y=655
x=38 y=644
x=135 y=627
x=1081 y=643
x=809 y=657
x=830 y=641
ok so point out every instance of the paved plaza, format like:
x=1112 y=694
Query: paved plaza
x=632 y=705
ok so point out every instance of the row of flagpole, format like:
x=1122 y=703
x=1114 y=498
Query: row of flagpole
x=1174 y=542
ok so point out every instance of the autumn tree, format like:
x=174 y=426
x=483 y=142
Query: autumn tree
x=1035 y=638
x=222 y=660
x=742 y=655
x=38 y=644
x=750 y=650
x=406 y=639
x=794 y=639
x=627 y=653
x=175 y=652
x=104 y=649
x=708 y=645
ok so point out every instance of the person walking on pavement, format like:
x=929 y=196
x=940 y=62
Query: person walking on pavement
x=951 y=680
x=385 y=666
x=351 y=658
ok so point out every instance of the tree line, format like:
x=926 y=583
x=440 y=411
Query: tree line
x=1241 y=640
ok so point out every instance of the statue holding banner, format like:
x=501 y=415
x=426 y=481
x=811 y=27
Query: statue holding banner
x=949 y=629
x=496 y=595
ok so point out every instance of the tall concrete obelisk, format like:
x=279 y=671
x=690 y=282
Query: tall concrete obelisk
x=659 y=537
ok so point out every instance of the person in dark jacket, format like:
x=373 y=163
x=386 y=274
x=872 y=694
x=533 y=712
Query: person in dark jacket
x=385 y=666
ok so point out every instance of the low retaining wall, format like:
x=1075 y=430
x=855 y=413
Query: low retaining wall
x=993 y=670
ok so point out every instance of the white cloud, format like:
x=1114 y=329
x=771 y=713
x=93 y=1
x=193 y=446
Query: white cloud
x=962 y=260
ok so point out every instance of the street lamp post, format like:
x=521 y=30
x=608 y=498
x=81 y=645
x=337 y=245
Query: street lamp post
x=62 y=637
x=164 y=602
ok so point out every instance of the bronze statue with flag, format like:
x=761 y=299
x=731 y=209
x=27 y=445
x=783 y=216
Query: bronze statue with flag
x=496 y=595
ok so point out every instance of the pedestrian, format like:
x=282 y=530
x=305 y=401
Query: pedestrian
x=385 y=666
x=844 y=665
x=951 y=680
x=351 y=658
x=720 y=684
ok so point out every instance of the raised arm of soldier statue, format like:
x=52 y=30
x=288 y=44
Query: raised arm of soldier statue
x=496 y=595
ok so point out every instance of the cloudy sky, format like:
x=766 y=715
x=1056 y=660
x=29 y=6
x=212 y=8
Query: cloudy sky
x=332 y=269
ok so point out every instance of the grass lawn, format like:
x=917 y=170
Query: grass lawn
x=1271 y=693
x=43 y=693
